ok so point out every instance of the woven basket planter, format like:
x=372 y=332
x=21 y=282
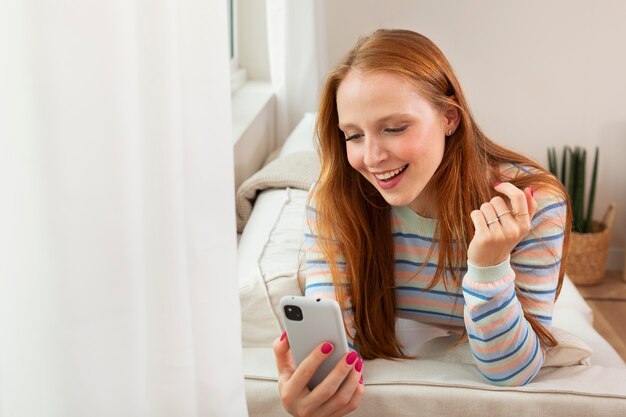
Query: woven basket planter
x=586 y=261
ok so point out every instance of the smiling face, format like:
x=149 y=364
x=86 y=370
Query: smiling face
x=394 y=137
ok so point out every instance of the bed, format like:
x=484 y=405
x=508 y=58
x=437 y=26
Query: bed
x=583 y=375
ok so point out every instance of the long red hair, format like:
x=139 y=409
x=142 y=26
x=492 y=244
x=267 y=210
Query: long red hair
x=353 y=220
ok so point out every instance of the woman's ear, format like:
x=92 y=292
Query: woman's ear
x=452 y=116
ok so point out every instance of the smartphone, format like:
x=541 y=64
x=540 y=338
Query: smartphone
x=309 y=322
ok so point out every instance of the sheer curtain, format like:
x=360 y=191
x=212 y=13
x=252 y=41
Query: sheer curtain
x=118 y=292
x=294 y=60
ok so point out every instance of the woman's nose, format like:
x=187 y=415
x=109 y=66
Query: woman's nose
x=375 y=153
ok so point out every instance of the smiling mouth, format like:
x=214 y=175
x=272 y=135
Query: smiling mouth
x=387 y=176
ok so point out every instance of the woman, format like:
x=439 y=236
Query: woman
x=417 y=214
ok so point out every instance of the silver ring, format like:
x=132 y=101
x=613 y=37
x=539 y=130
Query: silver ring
x=492 y=222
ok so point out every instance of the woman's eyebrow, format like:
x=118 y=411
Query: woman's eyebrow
x=393 y=116
x=347 y=126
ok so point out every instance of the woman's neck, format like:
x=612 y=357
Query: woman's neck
x=425 y=205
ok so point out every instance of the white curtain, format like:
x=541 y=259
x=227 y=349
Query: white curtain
x=294 y=60
x=118 y=293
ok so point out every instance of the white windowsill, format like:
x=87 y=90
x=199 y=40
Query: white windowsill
x=237 y=78
x=247 y=102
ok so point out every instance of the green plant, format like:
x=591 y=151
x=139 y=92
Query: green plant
x=572 y=176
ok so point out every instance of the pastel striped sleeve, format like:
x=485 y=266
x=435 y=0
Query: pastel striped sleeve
x=318 y=279
x=505 y=347
x=537 y=259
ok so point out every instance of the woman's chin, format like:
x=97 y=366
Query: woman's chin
x=396 y=200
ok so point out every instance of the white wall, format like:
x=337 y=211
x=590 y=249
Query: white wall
x=536 y=73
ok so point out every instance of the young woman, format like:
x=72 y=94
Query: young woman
x=417 y=214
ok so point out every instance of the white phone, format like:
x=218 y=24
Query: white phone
x=309 y=322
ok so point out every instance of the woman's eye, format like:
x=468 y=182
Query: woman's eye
x=352 y=137
x=396 y=129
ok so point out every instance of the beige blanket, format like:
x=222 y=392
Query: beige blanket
x=296 y=170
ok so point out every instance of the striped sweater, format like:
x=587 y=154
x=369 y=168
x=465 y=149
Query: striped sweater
x=489 y=302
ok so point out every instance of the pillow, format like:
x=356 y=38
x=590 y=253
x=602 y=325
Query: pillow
x=570 y=350
x=297 y=170
x=302 y=138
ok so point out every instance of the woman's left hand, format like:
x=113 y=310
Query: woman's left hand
x=500 y=226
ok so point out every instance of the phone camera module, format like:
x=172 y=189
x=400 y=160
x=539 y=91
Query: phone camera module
x=293 y=312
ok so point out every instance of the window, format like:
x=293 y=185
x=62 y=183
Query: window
x=237 y=75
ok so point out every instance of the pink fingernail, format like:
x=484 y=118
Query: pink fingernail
x=532 y=191
x=359 y=365
x=351 y=357
x=282 y=336
x=326 y=348
x=361 y=380
x=496 y=183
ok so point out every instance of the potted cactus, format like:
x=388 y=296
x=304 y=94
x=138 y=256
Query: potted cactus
x=589 y=242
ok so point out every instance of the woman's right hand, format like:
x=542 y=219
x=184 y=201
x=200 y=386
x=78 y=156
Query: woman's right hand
x=332 y=397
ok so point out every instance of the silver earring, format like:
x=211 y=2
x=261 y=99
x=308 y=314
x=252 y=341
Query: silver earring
x=450 y=132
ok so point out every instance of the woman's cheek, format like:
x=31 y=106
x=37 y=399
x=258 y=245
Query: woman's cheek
x=355 y=158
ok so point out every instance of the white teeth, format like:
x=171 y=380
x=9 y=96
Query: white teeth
x=390 y=174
